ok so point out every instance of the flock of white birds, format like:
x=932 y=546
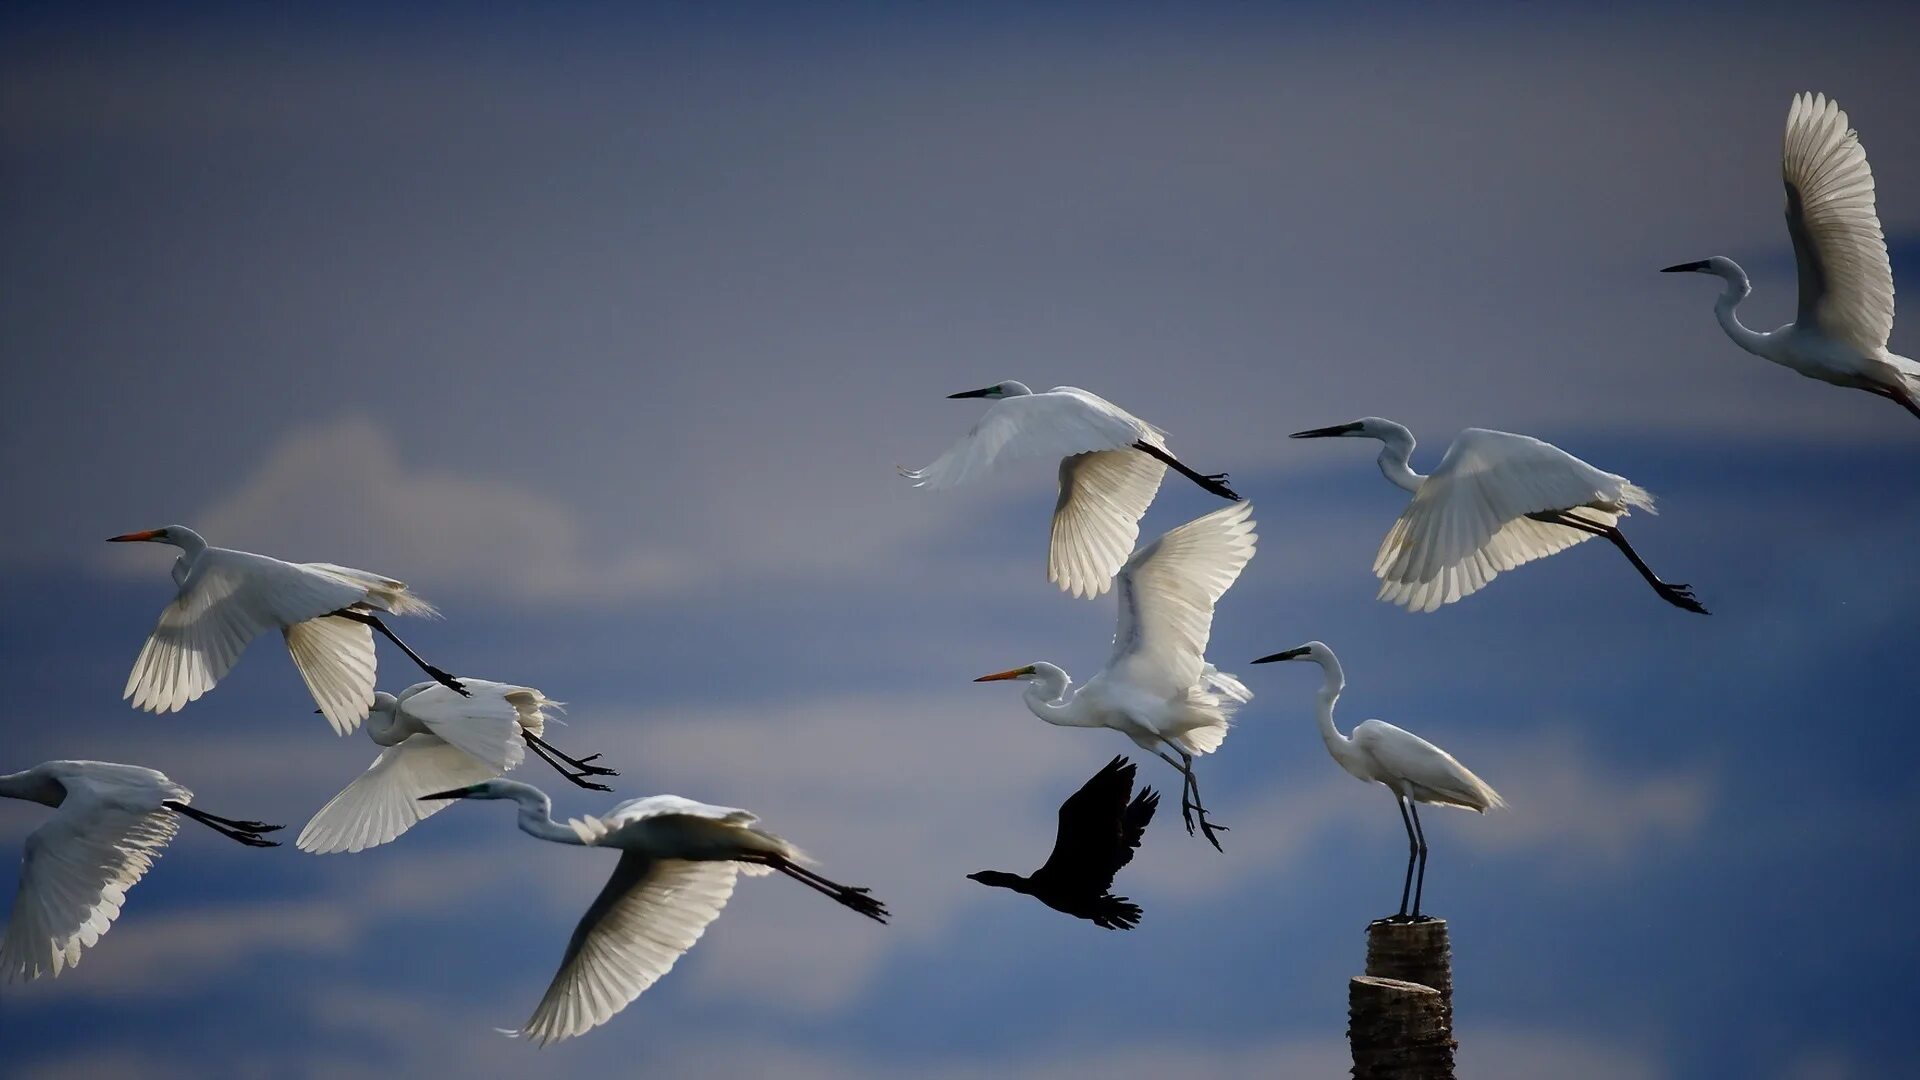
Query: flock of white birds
x=1495 y=501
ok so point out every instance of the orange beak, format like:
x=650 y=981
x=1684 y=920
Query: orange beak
x=128 y=537
x=1003 y=675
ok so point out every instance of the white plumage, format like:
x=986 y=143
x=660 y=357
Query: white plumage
x=110 y=823
x=676 y=872
x=1496 y=501
x=1415 y=770
x=1158 y=688
x=1111 y=465
x=435 y=740
x=227 y=598
x=1844 y=319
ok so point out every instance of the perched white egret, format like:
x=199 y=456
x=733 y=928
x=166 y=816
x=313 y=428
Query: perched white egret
x=1415 y=770
x=1839 y=333
x=677 y=864
x=1497 y=500
x=227 y=598
x=1111 y=463
x=110 y=823
x=435 y=740
x=1157 y=688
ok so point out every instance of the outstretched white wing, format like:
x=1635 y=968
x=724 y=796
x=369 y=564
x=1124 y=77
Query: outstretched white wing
x=1846 y=282
x=231 y=598
x=487 y=724
x=1097 y=520
x=649 y=914
x=385 y=800
x=1468 y=522
x=1059 y=423
x=77 y=871
x=1166 y=595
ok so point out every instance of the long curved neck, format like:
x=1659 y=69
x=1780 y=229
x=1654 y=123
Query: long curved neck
x=1051 y=697
x=1396 y=453
x=1738 y=288
x=1335 y=681
x=536 y=816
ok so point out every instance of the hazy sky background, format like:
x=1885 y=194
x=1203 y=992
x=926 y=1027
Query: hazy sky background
x=605 y=327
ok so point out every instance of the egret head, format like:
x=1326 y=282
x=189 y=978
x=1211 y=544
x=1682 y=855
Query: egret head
x=485 y=789
x=1719 y=265
x=177 y=535
x=997 y=390
x=1367 y=427
x=1312 y=650
x=1000 y=879
x=1023 y=674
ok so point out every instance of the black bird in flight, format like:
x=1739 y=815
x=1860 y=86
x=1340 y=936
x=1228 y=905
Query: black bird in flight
x=1099 y=830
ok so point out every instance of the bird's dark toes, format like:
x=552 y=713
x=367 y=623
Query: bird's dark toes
x=254 y=841
x=583 y=761
x=257 y=826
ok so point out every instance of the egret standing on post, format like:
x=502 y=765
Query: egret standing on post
x=1415 y=770
x=1496 y=501
x=1157 y=688
x=110 y=822
x=227 y=598
x=677 y=864
x=1845 y=317
x=1111 y=463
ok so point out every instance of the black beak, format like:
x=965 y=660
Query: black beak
x=1290 y=654
x=1325 y=432
x=456 y=793
x=983 y=392
x=1682 y=268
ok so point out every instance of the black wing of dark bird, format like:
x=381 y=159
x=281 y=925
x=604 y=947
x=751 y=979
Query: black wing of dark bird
x=1099 y=830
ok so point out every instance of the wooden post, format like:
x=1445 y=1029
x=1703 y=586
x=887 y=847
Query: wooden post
x=1400 y=1013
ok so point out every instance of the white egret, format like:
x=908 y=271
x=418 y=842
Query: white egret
x=677 y=864
x=1496 y=501
x=227 y=598
x=1100 y=828
x=1111 y=463
x=1845 y=316
x=435 y=740
x=1157 y=688
x=110 y=822
x=1415 y=770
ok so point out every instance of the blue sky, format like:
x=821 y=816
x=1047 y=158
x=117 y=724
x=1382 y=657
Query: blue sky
x=606 y=327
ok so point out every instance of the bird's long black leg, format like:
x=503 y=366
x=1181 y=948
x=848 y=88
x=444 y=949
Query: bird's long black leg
x=379 y=624
x=1419 y=881
x=852 y=896
x=1413 y=851
x=1186 y=786
x=1680 y=596
x=246 y=832
x=578 y=763
x=542 y=751
x=1207 y=828
x=1211 y=483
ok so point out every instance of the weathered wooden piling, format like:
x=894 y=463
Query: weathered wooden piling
x=1400 y=1013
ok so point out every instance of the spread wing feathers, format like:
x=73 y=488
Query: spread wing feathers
x=385 y=800
x=1099 y=830
x=486 y=725
x=1468 y=522
x=77 y=871
x=1059 y=423
x=1436 y=776
x=650 y=913
x=231 y=598
x=335 y=657
x=1166 y=595
x=1846 y=283
x=1103 y=495
x=591 y=828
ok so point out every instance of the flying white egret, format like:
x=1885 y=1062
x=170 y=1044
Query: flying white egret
x=1415 y=770
x=1497 y=500
x=677 y=864
x=1839 y=333
x=436 y=740
x=1111 y=463
x=1157 y=688
x=227 y=598
x=110 y=823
